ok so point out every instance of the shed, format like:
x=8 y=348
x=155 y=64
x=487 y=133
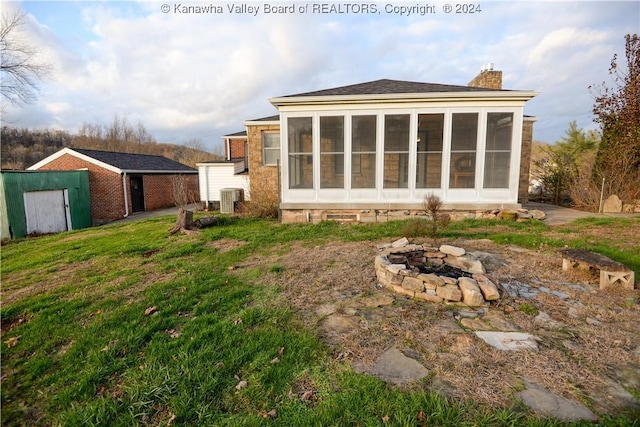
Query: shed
x=124 y=183
x=41 y=202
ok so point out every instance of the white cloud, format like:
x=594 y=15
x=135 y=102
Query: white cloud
x=200 y=76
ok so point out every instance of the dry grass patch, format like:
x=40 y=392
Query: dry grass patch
x=599 y=328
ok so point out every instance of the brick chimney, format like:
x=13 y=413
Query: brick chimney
x=488 y=78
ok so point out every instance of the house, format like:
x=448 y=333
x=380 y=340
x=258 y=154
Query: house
x=235 y=146
x=232 y=173
x=216 y=176
x=374 y=150
x=124 y=183
x=42 y=202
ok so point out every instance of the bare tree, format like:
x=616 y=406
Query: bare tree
x=21 y=68
x=617 y=110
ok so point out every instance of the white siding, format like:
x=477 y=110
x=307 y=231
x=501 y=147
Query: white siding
x=213 y=177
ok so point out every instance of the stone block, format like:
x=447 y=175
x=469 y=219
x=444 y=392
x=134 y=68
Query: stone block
x=435 y=254
x=400 y=243
x=431 y=281
x=413 y=284
x=469 y=263
x=395 y=268
x=470 y=290
x=613 y=204
x=403 y=291
x=452 y=250
x=381 y=260
x=487 y=287
x=449 y=293
x=508 y=341
x=449 y=280
x=388 y=279
x=537 y=214
x=428 y=297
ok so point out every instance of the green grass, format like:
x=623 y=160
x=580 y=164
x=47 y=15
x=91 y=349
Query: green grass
x=88 y=355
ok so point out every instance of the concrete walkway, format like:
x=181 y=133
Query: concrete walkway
x=558 y=215
x=150 y=214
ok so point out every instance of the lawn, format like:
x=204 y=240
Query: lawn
x=128 y=325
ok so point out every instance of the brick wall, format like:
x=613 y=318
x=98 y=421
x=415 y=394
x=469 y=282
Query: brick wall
x=262 y=177
x=158 y=190
x=236 y=148
x=490 y=79
x=107 y=198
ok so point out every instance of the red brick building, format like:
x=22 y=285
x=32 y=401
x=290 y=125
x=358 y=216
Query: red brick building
x=121 y=184
x=235 y=146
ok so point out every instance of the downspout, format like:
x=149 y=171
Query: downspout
x=228 y=148
x=124 y=191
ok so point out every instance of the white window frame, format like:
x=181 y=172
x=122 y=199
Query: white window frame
x=266 y=149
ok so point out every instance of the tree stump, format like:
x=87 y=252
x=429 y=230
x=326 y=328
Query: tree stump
x=186 y=224
x=184 y=221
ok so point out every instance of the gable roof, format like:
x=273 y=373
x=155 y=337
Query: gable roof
x=398 y=90
x=121 y=162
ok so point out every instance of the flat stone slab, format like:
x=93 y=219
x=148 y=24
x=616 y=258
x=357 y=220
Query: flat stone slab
x=542 y=400
x=508 y=341
x=394 y=367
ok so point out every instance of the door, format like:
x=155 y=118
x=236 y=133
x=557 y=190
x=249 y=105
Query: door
x=47 y=211
x=137 y=193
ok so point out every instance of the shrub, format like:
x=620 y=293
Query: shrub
x=264 y=201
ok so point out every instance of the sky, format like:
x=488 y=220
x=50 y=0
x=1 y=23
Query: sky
x=197 y=76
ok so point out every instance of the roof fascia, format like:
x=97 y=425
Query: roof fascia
x=158 y=172
x=74 y=153
x=261 y=122
x=404 y=97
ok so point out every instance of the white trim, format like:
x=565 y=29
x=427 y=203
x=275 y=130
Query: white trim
x=74 y=153
x=261 y=122
x=381 y=196
x=124 y=190
x=403 y=98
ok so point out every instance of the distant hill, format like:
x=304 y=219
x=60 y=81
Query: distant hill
x=21 y=148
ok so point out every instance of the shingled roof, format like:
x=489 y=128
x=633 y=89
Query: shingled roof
x=120 y=162
x=136 y=162
x=242 y=133
x=386 y=86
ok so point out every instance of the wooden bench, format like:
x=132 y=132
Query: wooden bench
x=611 y=272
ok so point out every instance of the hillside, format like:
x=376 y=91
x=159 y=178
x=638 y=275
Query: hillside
x=22 y=148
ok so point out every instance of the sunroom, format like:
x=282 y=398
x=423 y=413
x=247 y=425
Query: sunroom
x=385 y=145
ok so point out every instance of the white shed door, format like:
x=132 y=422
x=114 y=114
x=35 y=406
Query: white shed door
x=47 y=211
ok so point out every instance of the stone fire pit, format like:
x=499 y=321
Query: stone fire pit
x=446 y=273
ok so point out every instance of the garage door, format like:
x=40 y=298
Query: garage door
x=47 y=211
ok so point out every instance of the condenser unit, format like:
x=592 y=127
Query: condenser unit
x=229 y=198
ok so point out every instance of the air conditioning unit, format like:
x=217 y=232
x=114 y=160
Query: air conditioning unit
x=229 y=198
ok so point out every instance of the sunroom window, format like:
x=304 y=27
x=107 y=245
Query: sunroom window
x=363 y=152
x=429 y=143
x=332 y=152
x=396 y=150
x=498 y=150
x=464 y=142
x=300 y=145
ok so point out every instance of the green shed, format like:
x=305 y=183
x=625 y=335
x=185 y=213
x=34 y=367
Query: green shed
x=41 y=202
